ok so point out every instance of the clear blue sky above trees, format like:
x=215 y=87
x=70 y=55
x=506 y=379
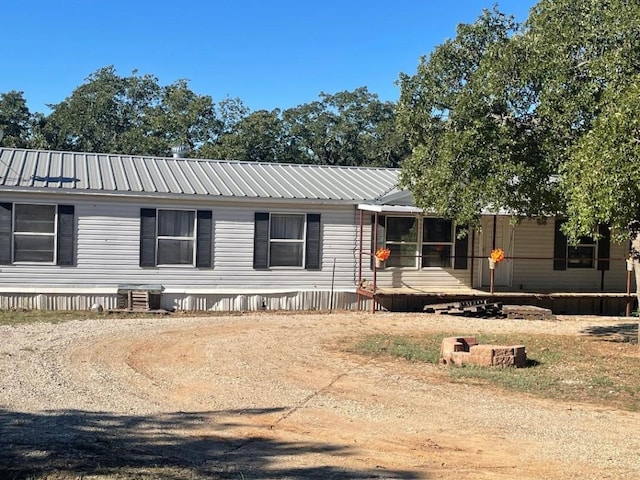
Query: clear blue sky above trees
x=275 y=54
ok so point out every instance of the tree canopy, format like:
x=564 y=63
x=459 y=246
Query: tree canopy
x=15 y=119
x=345 y=128
x=132 y=115
x=137 y=115
x=535 y=119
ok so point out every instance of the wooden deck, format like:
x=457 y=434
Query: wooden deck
x=571 y=303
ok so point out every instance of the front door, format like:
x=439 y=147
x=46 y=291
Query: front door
x=497 y=233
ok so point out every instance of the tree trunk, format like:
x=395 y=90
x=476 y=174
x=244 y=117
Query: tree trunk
x=635 y=253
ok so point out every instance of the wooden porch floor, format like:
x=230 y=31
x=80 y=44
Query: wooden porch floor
x=415 y=298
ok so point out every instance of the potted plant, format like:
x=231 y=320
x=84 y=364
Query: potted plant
x=381 y=256
x=496 y=256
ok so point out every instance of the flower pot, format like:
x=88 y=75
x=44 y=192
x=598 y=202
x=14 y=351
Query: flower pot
x=492 y=264
x=379 y=263
x=629 y=265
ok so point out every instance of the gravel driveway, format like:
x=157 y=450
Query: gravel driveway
x=275 y=396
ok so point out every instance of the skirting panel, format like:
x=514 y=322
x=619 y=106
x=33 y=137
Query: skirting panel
x=56 y=301
x=313 y=300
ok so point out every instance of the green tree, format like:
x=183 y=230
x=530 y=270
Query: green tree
x=590 y=62
x=258 y=137
x=602 y=178
x=223 y=141
x=470 y=113
x=15 y=120
x=346 y=128
x=501 y=108
x=504 y=116
x=131 y=115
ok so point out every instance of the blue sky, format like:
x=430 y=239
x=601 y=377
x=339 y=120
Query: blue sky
x=269 y=53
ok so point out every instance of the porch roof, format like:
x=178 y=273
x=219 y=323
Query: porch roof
x=389 y=208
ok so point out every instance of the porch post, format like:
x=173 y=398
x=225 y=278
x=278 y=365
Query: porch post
x=359 y=286
x=375 y=270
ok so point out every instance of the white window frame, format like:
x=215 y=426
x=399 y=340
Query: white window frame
x=53 y=234
x=420 y=242
x=451 y=244
x=191 y=238
x=401 y=244
x=302 y=241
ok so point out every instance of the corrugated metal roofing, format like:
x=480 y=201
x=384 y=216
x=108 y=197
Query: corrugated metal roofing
x=125 y=174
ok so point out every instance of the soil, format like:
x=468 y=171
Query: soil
x=280 y=396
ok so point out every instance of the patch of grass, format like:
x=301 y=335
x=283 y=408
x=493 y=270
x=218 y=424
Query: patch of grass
x=19 y=316
x=569 y=368
x=425 y=350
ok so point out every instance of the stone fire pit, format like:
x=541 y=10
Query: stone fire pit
x=466 y=351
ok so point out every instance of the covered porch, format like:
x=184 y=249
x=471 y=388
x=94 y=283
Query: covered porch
x=528 y=276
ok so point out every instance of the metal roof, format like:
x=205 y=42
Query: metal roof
x=41 y=170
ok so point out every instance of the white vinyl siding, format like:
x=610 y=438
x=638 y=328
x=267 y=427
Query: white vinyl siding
x=108 y=246
x=533 y=264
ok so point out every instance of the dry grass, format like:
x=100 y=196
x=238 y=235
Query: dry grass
x=20 y=316
x=594 y=367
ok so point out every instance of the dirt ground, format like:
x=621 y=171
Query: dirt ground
x=277 y=396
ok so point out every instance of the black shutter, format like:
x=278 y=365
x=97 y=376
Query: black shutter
x=559 y=247
x=66 y=237
x=147 y=237
x=604 y=247
x=312 y=261
x=261 y=241
x=5 y=233
x=461 y=250
x=204 y=241
x=381 y=236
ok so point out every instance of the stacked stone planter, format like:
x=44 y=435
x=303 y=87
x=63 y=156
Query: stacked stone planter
x=466 y=351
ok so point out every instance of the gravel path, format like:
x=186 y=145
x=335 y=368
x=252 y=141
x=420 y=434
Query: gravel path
x=272 y=396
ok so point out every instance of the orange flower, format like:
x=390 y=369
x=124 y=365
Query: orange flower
x=497 y=255
x=382 y=254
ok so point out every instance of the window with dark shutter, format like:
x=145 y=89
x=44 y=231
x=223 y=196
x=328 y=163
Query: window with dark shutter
x=582 y=254
x=36 y=233
x=261 y=241
x=5 y=233
x=604 y=247
x=204 y=255
x=461 y=250
x=175 y=234
x=66 y=235
x=147 y=237
x=313 y=258
x=287 y=240
x=559 y=247
x=175 y=237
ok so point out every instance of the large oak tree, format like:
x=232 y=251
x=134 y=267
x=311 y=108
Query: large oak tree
x=540 y=119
